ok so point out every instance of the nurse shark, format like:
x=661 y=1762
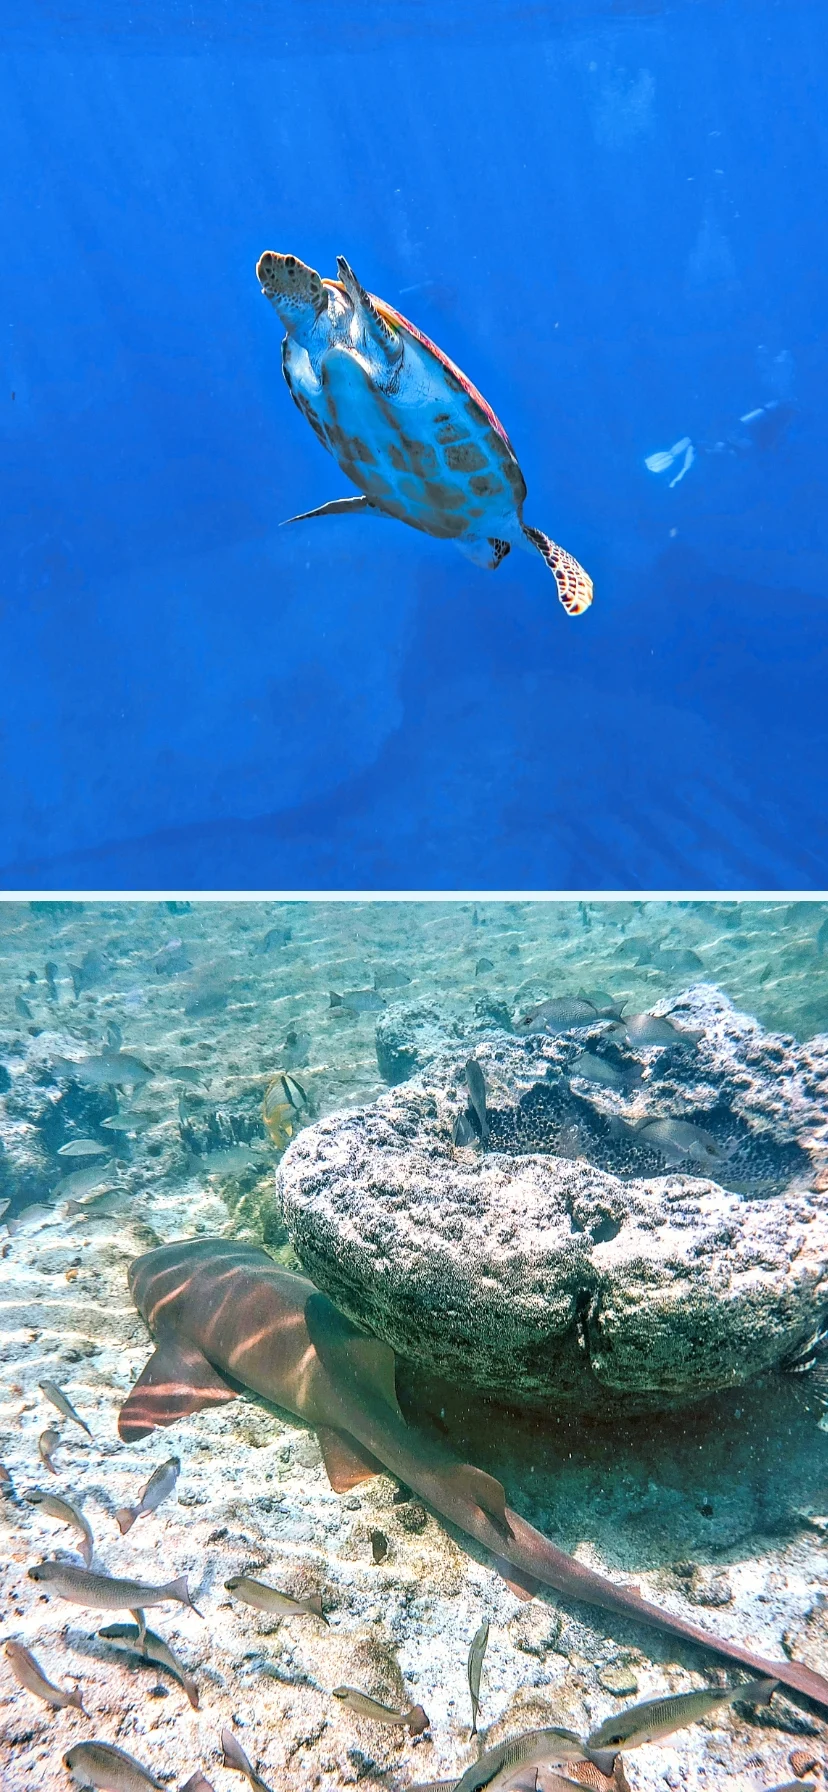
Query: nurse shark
x=227 y=1318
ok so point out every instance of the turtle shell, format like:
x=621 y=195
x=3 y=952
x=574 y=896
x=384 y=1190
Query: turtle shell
x=445 y=466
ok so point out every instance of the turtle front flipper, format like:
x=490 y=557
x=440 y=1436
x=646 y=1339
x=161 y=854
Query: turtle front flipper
x=386 y=344
x=574 y=585
x=296 y=291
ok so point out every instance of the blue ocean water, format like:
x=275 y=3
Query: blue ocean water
x=610 y=214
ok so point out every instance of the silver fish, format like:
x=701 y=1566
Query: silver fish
x=29 y=1673
x=85 y=1182
x=158 y=1488
x=194 y=1074
x=46 y=1443
x=462 y=1132
x=63 y=1403
x=114 y=1036
x=499 y=1765
x=558 y=1014
x=475 y=1667
x=101 y=1764
x=294 y=1052
x=235 y=1757
x=656 y=1718
x=104 y=1592
x=268 y=1599
x=22 y=1008
x=151 y=1647
x=476 y=1085
x=83 y=1148
x=172 y=960
x=414 y=1720
x=600 y=1070
x=680 y=1140
x=130 y=1122
x=390 y=978
x=115 y=1069
x=275 y=936
x=357 y=1001
x=65 y=1513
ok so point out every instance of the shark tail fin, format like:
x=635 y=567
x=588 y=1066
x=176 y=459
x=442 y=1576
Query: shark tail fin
x=177 y=1381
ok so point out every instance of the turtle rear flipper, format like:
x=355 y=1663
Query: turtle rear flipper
x=574 y=585
x=296 y=291
x=334 y=507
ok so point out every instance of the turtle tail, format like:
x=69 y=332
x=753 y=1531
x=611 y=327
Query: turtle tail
x=574 y=585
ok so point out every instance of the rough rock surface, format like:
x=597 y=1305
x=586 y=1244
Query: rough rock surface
x=568 y=1260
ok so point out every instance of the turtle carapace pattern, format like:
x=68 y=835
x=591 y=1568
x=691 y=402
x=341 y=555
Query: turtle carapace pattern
x=404 y=424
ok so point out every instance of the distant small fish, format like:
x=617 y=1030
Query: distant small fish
x=158 y=1488
x=680 y=1140
x=172 y=959
x=65 y=1513
x=235 y=1757
x=674 y=958
x=154 y=1649
x=209 y=998
x=50 y=972
x=83 y=1148
x=600 y=1070
x=482 y=965
x=558 y=1014
x=194 y=1074
x=295 y=1050
x=414 y=1719
x=114 y=1036
x=654 y=1029
x=63 y=1404
x=130 y=1122
x=463 y=1132
x=379 y=1546
x=269 y=1599
x=102 y=1764
x=22 y=1008
x=822 y=936
x=29 y=1673
x=113 y=1068
x=476 y=1085
x=4 y=1206
x=86 y=974
x=46 y=1443
x=390 y=978
x=274 y=938
x=358 y=1001
x=104 y=1592
x=475 y=1667
x=654 y=1719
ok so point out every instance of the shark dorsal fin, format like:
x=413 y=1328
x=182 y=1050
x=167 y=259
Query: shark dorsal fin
x=177 y=1380
x=346 y=1462
x=351 y=1355
x=483 y=1490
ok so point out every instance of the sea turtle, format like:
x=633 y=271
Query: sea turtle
x=404 y=423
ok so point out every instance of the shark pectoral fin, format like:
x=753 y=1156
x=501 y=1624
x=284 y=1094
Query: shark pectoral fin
x=483 y=1490
x=346 y=1462
x=177 y=1380
x=351 y=1356
x=522 y=1585
x=335 y=507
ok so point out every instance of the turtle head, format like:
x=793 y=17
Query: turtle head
x=296 y=291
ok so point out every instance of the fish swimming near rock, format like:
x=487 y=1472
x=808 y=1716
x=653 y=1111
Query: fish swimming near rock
x=102 y=1764
x=390 y=978
x=476 y=1085
x=463 y=1131
x=502 y=1765
x=29 y=1674
x=599 y=1070
x=404 y=424
x=474 y=1668
x=158 y=1488
x=285 y=1098
x=65 y=1513
x=152 y=1648
x=413 y=1720
x=235 y=1757
x=357 y=1001
x=558 y=1014
x=654 y=1719
x=679 y=1140
x=221 y=1309
x=655 y=1029
x=269 y=1599
x=113 y=1069
x=105 y=1592
x=63 y=1404
x=83 y=1148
